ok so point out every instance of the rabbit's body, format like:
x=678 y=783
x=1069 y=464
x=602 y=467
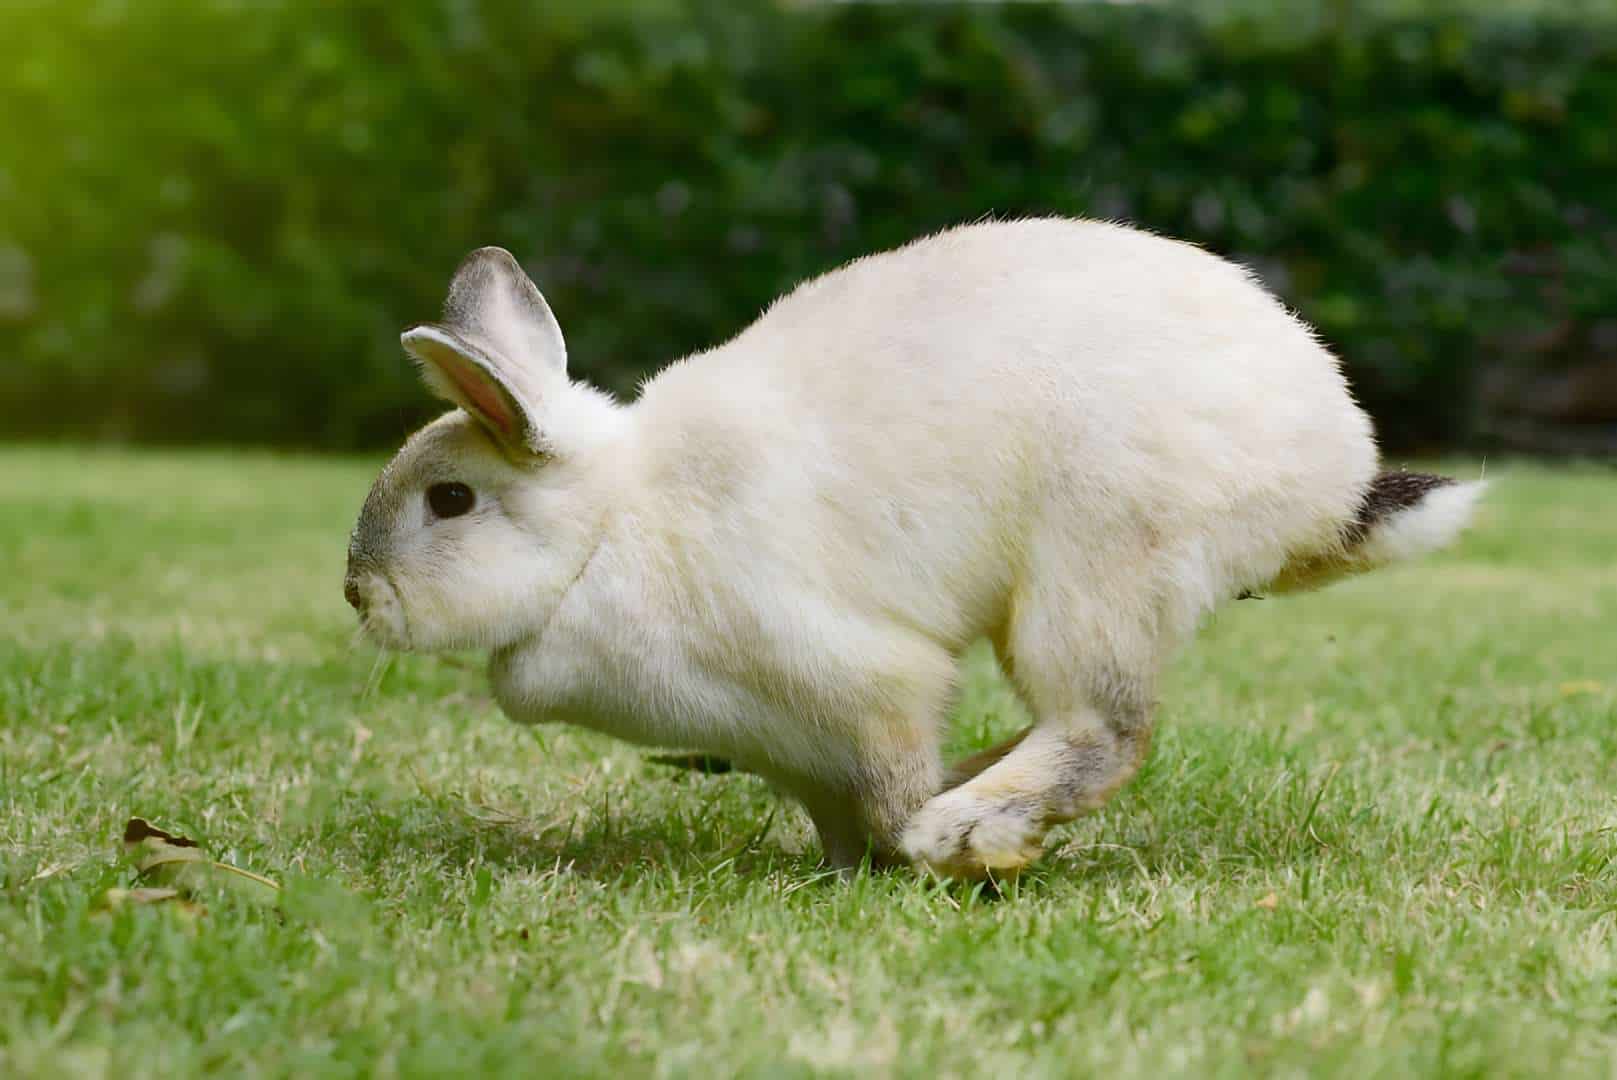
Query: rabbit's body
x=1072 y=438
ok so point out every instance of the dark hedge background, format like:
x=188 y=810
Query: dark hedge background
x=215 y=216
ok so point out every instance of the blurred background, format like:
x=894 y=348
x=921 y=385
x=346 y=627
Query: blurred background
x=215 y=215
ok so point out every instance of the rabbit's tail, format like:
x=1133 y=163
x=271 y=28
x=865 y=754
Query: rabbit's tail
x=1403 y=515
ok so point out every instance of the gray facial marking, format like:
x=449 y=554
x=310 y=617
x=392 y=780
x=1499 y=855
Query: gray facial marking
x=427 y=457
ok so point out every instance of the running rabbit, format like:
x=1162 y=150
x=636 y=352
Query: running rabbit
x=1072 y=438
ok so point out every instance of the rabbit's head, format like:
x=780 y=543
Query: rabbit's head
x=475 y=529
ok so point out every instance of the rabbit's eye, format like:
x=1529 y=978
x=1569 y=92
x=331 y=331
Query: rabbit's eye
x=450 y=500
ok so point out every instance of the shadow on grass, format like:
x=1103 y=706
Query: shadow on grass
x=450 y=833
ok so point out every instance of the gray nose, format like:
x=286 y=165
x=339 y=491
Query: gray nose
x=350 y=592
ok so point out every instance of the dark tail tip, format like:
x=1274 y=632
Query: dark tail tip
x=1389 y=493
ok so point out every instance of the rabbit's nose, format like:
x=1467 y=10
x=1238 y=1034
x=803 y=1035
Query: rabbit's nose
x=350 y=592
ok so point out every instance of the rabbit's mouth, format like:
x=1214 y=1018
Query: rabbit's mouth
x=381 y=611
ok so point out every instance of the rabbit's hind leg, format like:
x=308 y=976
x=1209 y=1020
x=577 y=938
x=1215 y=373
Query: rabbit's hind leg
x=996 y=822
x=1090 y=688
x=968 y=767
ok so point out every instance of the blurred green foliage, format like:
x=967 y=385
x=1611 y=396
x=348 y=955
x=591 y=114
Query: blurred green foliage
x=216 y=214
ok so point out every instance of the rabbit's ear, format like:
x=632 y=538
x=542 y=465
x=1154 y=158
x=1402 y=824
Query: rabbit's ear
x=466 y=375
x=498 y=352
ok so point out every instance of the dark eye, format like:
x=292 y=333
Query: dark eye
x=450 y=500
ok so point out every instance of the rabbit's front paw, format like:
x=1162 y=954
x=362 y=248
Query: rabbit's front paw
x=962 y=835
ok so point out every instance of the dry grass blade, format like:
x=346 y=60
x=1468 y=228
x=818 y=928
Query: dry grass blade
x=172 y=899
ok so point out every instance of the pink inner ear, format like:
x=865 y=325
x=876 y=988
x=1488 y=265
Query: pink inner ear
x=483 y=396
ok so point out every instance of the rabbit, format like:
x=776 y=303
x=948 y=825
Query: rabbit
x=1072 y=438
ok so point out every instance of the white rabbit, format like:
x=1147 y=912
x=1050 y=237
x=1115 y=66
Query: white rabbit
x=1073 y=438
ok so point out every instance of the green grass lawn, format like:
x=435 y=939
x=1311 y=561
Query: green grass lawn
x=1378 y=833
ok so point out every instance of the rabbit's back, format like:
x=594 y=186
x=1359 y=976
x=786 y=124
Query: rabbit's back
x=901 y=430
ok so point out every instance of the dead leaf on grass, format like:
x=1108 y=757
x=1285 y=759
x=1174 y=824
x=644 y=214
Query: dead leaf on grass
x=1267 y=903
x=165 y=861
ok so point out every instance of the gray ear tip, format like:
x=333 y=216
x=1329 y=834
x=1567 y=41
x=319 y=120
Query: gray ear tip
x=494 y=305
x=490 y=256
x=484 y=270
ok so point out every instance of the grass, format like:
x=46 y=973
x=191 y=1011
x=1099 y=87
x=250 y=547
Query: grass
x=1378 y=835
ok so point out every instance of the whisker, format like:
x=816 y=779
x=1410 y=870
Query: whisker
x=379 y=669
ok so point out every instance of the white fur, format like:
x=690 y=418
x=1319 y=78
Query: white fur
x=1071 y=437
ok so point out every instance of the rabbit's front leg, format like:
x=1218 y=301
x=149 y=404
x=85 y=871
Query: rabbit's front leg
x=861 y=746
x=845 y=840
x=866 y=819
x=864 y=791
